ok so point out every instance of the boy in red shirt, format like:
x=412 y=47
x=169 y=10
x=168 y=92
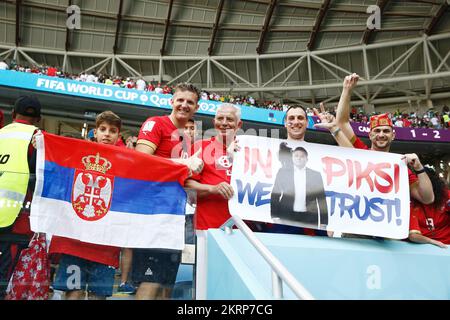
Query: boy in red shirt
x=84 y=263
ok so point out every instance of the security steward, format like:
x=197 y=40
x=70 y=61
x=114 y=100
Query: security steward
x=17 y=180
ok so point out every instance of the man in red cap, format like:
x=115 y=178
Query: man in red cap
x=381 y=136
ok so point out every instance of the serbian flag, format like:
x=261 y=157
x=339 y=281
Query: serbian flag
x=107 y=195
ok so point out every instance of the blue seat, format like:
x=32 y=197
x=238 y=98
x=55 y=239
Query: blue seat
x=183 y=287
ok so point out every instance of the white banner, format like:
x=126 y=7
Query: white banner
x=321 y=187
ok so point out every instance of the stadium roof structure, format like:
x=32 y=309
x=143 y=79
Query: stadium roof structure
x=298 y=51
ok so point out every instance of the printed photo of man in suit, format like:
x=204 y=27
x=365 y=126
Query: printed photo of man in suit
x=298 y=194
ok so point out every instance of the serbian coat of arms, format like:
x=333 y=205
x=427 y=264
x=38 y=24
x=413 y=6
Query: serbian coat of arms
x=92 y=188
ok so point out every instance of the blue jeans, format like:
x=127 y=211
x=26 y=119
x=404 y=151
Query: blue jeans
x=76 y=273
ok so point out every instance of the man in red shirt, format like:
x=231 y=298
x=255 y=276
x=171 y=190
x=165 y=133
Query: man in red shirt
x=163 y=136
x=51 y=71
x=381 y=136
x=213 y=183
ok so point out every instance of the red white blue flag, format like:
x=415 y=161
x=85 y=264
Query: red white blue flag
x=107 y=195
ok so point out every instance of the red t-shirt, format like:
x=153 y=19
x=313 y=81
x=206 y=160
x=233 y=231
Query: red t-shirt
x=162 y=132
x=51 y=72
x=93 y=252
x=431 y=222
x=358 y=144
x=212 y=211
x=120 y=143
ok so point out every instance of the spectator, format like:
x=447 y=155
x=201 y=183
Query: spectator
x=398 y=122
x=406 y=121
x=15 y=180
x=120 y=142
x=190 y=129
x=155 y=270
x=296 y=122
x=381 y=136
x=213 y=183
x=140 y=84
x=158 y=89
x=96 y=263
x=446 y=119
x=51 y=71
x=431 y=223
x=108 y=81
x=167 y=90
x=131 y=142
x=91 y=78
x=3 y=65
x=150 y=87
x=91 y=136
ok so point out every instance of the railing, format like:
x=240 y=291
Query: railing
x=279 y=271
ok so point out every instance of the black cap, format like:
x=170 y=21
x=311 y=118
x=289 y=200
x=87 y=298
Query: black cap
x=28 y=106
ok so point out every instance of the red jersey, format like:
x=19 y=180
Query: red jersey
x=93 y=252
x=358 y=144
x=162 y=132
x=120 y=143
x=431 y=222
x=51 y=72
x=212 y=211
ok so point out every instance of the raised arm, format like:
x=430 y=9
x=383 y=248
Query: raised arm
x=343 y=109
x=422 y=190
x=328 y=121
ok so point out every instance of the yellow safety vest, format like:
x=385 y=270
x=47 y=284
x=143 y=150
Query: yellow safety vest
x=14 y=172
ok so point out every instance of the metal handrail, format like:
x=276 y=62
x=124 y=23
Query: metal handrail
x=279 y=271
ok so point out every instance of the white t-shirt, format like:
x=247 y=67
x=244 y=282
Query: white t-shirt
x=91 y=78
x=300 y=189
x=3 y=66
x=140 y=84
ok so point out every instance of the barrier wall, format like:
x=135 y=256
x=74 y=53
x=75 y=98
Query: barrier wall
x=122 y=95
x=329 y=268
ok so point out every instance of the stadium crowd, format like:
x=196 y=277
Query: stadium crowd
x=207 y=168
x=435 y=118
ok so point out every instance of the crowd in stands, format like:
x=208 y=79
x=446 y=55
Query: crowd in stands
x=433 y=118
x=207 y=170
